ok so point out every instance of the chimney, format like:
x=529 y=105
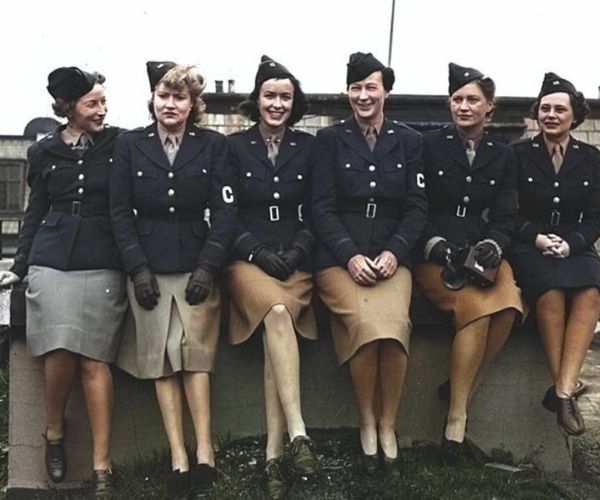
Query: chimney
x=231 y=86
x=219 y=86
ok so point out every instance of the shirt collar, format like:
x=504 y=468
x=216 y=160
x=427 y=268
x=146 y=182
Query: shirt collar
x=563 y=144
x=73 y=137
x=164 y=134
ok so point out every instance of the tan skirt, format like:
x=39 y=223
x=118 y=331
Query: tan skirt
x=253 y=293
x=362 y=314
x=471 y=302
x=173 y=336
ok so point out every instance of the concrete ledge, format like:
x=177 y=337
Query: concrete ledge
x=505 y=413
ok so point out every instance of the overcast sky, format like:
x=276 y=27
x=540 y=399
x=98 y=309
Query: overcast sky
x=513 y=41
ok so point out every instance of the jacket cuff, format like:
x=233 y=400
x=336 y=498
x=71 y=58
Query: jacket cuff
x=576 y=242
x=345 y=250
x=502 y=239
x=398 y=246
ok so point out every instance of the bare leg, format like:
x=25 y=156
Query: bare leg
x=274 y=411
x=96 y=381
x=363 y=370
x=170 y=400
x=466 y=355
x=60 y=369
x=550 y=311
x=392 y=370
x=282 y=347
x=197 y=391
x=500 y=326
x=585 y=308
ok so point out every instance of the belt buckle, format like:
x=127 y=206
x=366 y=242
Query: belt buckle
x=75 y=208
x=555 y=218
x=461 y=211
x=371 y=210
x=273 y=213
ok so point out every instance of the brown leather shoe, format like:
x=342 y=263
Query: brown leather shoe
x=569 y=417
x=550 y=401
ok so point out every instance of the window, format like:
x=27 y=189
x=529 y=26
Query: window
x=12 y=186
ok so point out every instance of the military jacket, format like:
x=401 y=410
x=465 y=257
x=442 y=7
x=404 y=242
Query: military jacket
x=272 y=199
x=468 y=203
x=367 y=201
x=66 y=224
x=158 y=209
x=566 y=203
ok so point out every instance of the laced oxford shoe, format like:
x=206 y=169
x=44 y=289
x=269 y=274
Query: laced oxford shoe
x=275 y=482
x=56 y=459
x=302 y=456
x=569 y=417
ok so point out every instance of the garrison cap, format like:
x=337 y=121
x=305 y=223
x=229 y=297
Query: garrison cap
x=459 y=76
x=70 y=83
x=267 y=69
x=553 y=83
x=361 y=65
x=156 y=70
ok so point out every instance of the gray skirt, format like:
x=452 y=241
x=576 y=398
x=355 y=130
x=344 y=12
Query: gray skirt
x=172 y=337
x=79 y=311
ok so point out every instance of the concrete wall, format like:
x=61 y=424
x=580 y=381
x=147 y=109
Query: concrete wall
x=506 y=412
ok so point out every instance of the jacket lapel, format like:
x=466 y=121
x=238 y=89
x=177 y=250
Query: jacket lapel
x=287 y=149
x=485 y=153
x=452 y=144
x=257 y=147
x=538 y=152
x=572 y=157
x=353 y=137
x=191 y=146
x=388 y=139
x=149 y=144
x=54 y=144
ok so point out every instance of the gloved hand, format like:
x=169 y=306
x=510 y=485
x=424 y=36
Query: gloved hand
x=271 y=263
x=8 y=278
x=145 y=287
x=487 y=254
x=292 y=258
x=441 y=252
x=199 y=284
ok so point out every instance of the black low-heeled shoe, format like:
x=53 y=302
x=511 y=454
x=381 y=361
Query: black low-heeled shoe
x=202 y=479
x=369 y=463
x=569 y=417
x=55 y=457
x=178 y=485
x=551 y=400
x=276 y=484
x=454 y=453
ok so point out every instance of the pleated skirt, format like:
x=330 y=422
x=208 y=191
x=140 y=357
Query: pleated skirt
x=172 y=337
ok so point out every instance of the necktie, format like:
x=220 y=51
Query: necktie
x=272 y=149
x=371 y=137
x=171 y=148
x=557 y=157
x=471 y=151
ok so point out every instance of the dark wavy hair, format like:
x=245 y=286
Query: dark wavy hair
x=249 y=107
x=581 y=109
x=64 y=109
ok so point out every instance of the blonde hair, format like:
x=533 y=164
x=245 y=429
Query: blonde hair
x=187 y=78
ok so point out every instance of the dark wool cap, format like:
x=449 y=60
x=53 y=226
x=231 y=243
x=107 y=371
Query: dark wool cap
x=361 y=65
x=267 y=69
x=554 y=83
x=69 y=83
x=156 y=70
x=459 y=76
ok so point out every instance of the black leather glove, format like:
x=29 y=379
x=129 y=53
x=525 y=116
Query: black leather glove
x=441 y=252
x=199 y=285
x=487 y=254
x=293 y=257
x=271 y=263
x=145 y=287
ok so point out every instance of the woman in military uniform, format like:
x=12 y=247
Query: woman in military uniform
x=369 y=208
x=76 y=295
x=471 y=187
x=166 y=175
x=269 y=282
x=553 y=252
